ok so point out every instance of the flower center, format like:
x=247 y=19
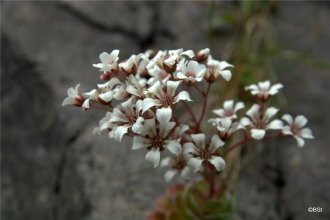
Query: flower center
x=229 y=113
x=295 y=130
x=191 y=74
x=205 y=154
x=166 y=100
x=157 y=142
x=131 y=118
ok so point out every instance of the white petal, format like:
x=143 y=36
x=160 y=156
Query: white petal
x=275 y=88
x=270 y=112
x=68 y=101
x=300 y=141
x=236 y=126
x=114 y=53
x=189 y=148
x=218 y=162
x=148 y=103
x=252 y=87
x=288 y=118
x=228 y=105
x=275 y=124
x=300 y=121
x=184 y=95
x=119 y=132
x=140 y=142
x=220 y=112
x=150 y=126
x=264 y=85
x=239 y=106
x=181 y=129
x=168 y=161
x=104 y=57
x=226 y=123
x=199 y=140
x=226 y=74
x=153 y=156
x=86 y=104
x=245 y=121
x=107 y=97
x=171 y=87
x=258 y=134
x=224 y=65
x=253 y=110
x=185 y=172
x=180 y=75
x=72 y=92
x=156 y=88
x=164 y=115
x=138 y=126
x=195 y=163
x=306 y=133
x=139 y=105
x=216 y=142
x=286 y=130
x=170 y=174
x=188 y=53
x=174 y=147
x=164 y=129
x=98 y=65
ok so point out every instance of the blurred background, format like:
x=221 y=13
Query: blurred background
x=53 y=168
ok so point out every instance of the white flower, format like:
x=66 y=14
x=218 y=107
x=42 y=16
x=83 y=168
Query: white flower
x=134 y=86
x=74 y=97
x=202 y=55
x=131 y=64
x=225 y=126
x=229 y=109
x=192 y=72
x=114 y=88
x=154 y=136
x=164 y=97
x=178 y=165
x=124 y=117
x=216 y=68
x=261 y=122
x=296 y=128
x=108 y=61
x=92 y=96
x=199 y=152
x=158 y=74
x=264 y=89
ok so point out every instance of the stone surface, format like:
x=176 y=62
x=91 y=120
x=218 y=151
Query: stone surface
x=54 y=168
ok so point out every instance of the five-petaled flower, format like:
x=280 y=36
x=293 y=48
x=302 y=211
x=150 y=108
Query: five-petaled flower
x=192 y=72
x=108 y=61
x=164 y=94
x=200 y=152
x=74 y=97
x=217 y=68
x=153 y=136
x=264 y=89
x=296 y=128
x=261 y=121
x=229 y=109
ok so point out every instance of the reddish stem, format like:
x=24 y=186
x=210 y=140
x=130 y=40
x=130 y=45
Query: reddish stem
x=212 y=181
x=205 y=95
x=247 y=140
x=198 y=89
x=190 y=111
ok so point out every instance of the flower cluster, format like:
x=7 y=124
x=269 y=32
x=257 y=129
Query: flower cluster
x=141 y=94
